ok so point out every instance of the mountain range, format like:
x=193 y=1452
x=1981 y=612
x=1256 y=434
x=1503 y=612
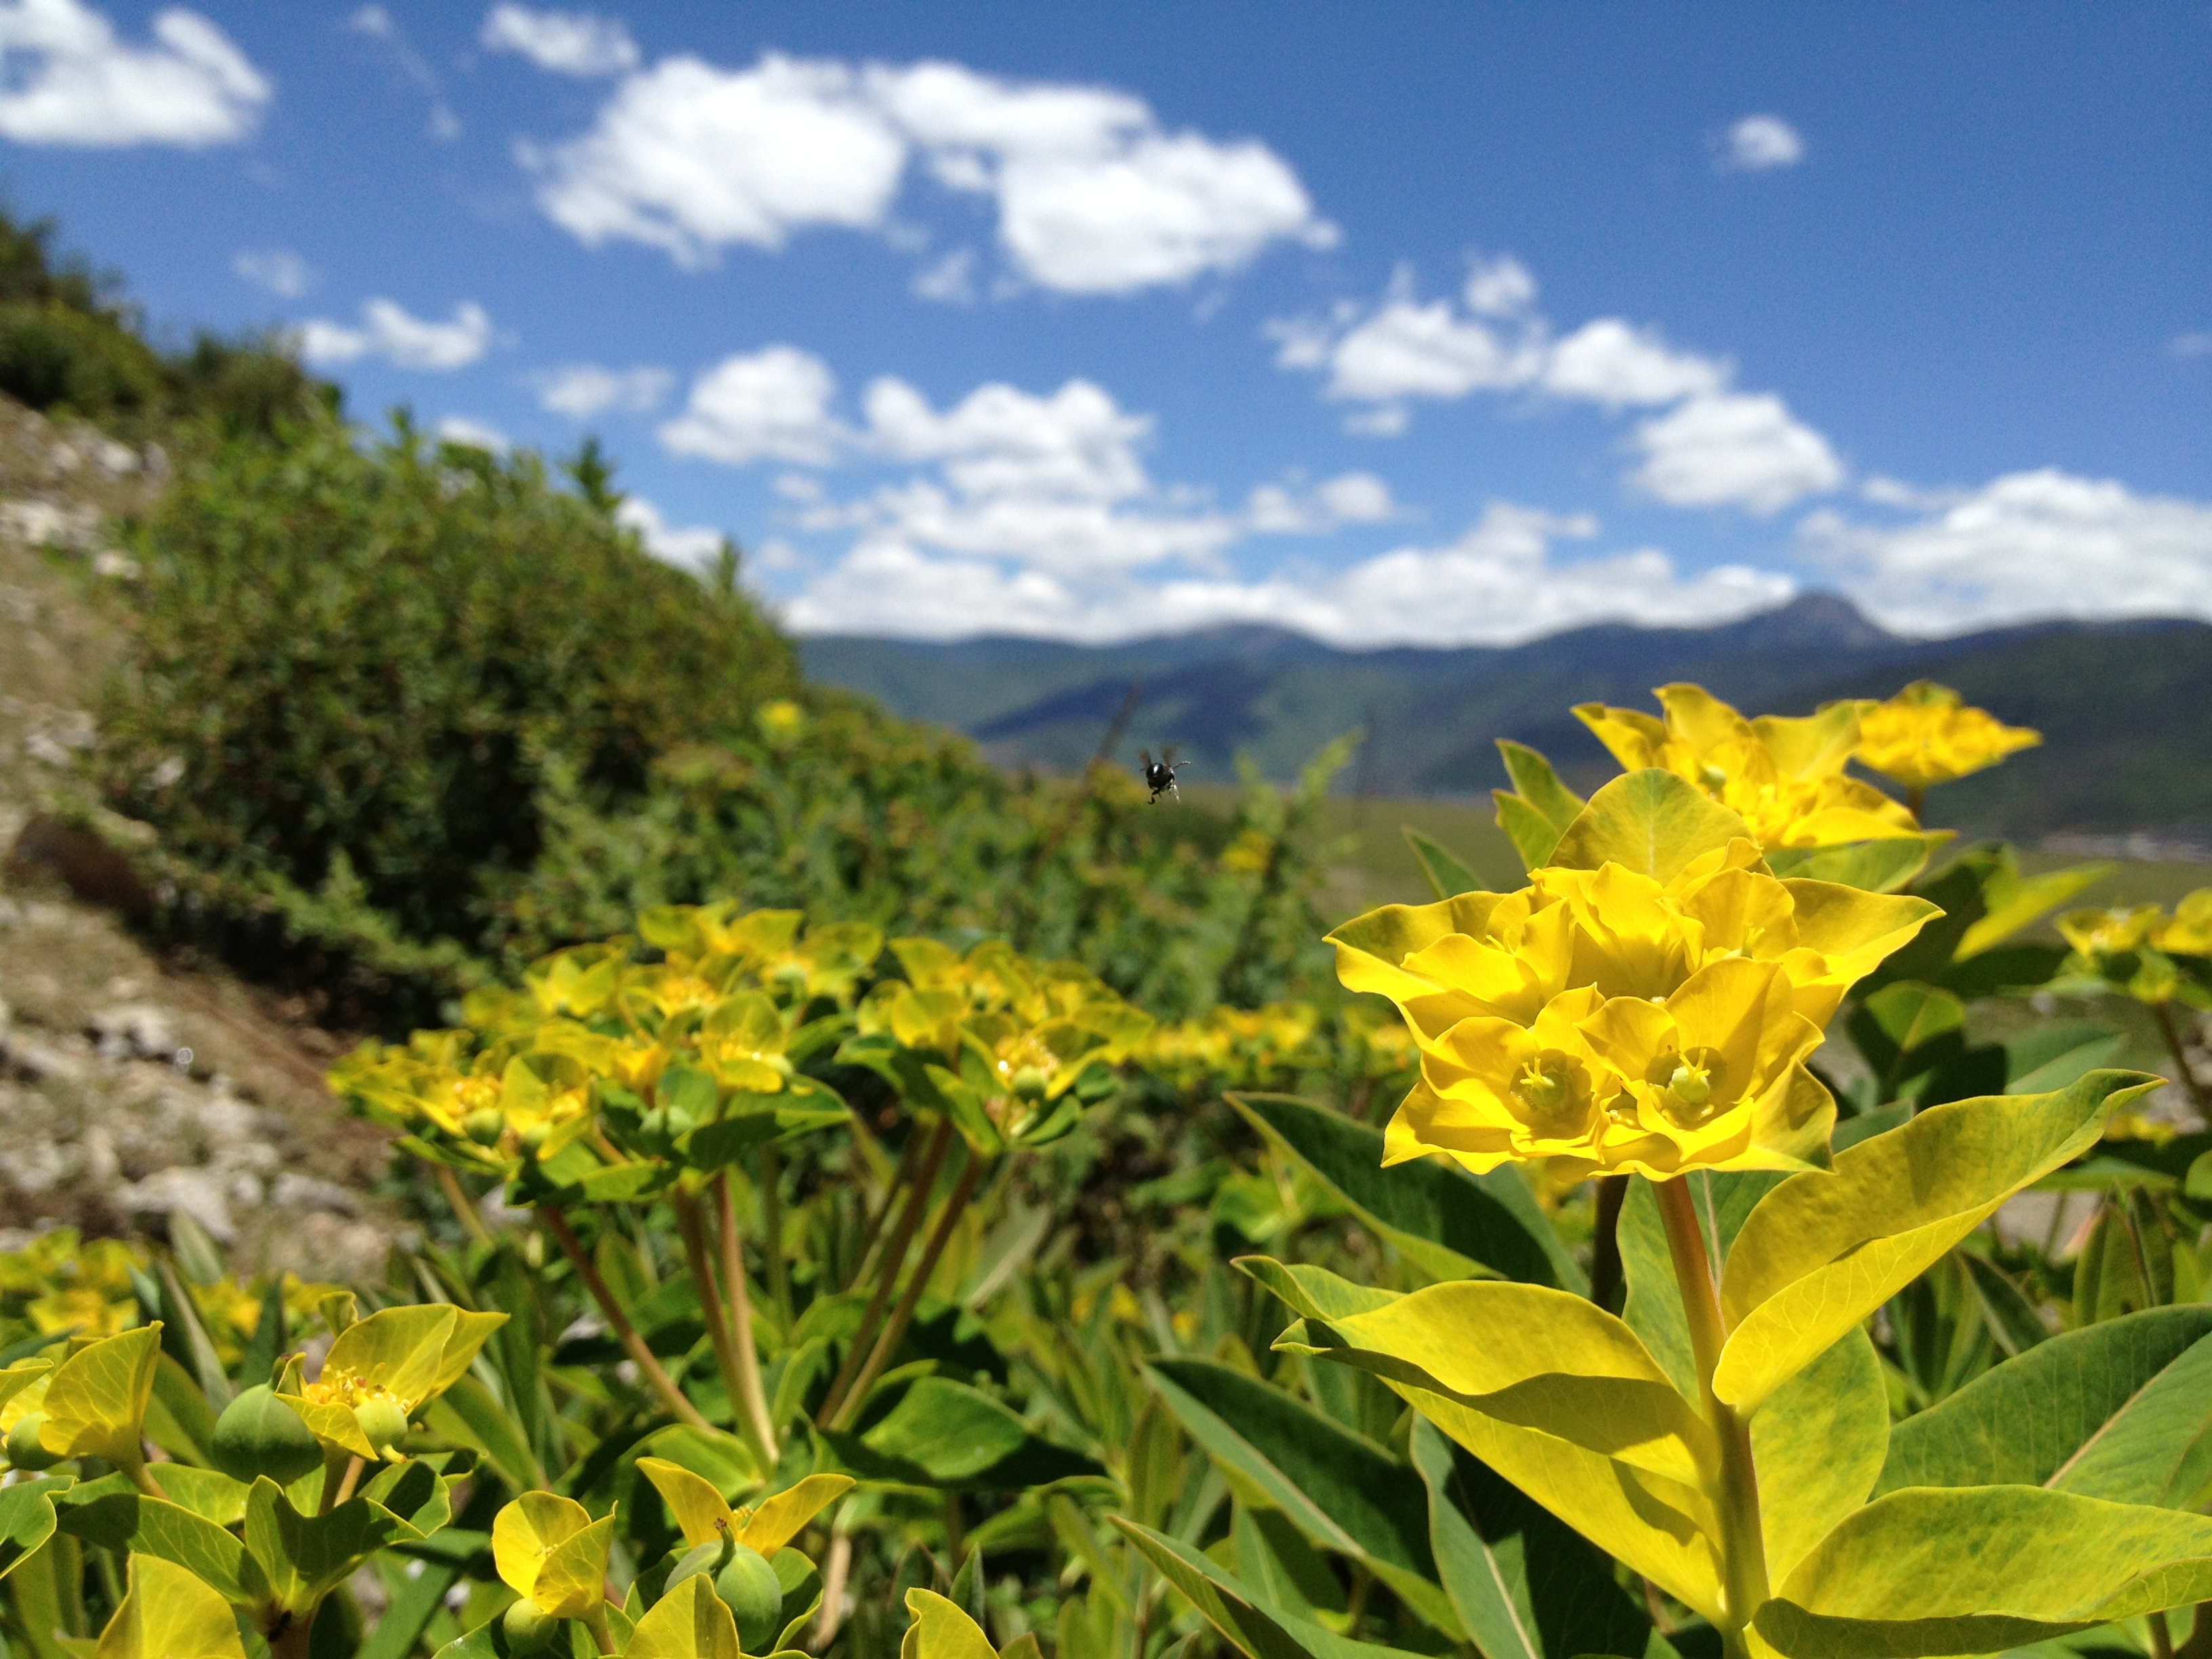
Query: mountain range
x=2125 y=707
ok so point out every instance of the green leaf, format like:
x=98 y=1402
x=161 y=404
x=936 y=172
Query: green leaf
x=1875 y=866
x=1654 y=1306
x=2011 y=905
x=1449 y=1224
x=1446 y=874
x=1905 y=1028
x=26 y=1518
x=1650 y=822
x=1533 y=838
x=1340 y=1489
x=2120 y=1411
x=1558 y=1397
x=122 y=1518
x=942 y=1629
x=1524 y=1585
x=1823 y=1249
x=469 y=1414
x=1537 y=783
x=943 y=1433
x=170 y=1615
x=2012 y=1318
x=1930 y=1571
x=1314 y=1292
x=304 y=1556
x=1819 y=1443
x=687 y=1623
x=1255 y=1632
x=2052 y=1053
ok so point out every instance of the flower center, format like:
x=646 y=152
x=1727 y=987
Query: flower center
x=1553 y=1093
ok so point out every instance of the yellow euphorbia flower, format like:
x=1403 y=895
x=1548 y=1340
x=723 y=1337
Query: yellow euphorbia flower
x=1783 y=776
x=2134 y=951
x=1926 y=734
x=2189 y=933
x=1603 y=1021
x=380 y=1370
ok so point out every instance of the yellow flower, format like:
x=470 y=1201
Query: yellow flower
x=1927 y=735
x=1603 y=1021
x=2189 y=933
x=1783 y=776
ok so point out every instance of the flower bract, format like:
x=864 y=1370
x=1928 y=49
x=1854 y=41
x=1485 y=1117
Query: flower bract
x=1928 y=734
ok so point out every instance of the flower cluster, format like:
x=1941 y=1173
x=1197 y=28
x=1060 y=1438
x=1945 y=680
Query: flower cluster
x=1926 y=734
x=729 y=1003
x=60 y=1285
x=1784 y=777
x=996 y=1039
x=2145 y=953
x=1603 y=1021
x=1272 y=1047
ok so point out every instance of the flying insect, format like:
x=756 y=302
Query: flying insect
x=1160 y=774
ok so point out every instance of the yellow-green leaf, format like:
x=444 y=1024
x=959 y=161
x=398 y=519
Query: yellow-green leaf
x=1537 y=1358
x=1819 y=1444
x=169 y=1614
x=468 y=1334
x=696 y=1506
x=941 y=1630
x=781 y=1518
x=687 y=1623
x=547 y=1547
x=1978 y=1569
x=401 y=1351
x=96 y=1400
x=2012 y=901
x=1662 y=1527
x=20 y=1377
x=1650 y=822
x=1825 y=1250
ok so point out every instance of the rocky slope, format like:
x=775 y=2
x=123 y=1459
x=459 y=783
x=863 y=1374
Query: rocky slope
x=133 y=1088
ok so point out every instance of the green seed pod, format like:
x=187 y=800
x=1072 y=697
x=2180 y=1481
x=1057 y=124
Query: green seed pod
x=24 y=1451
x=484 y=1126
x=534 y=1137
x=528 y=1629
x=382 y=1422
x=1030 y=1082
x=258 y=1434
x=710 y=1557
x=749 y=1588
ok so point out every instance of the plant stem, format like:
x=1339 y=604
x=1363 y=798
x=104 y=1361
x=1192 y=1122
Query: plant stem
x=779 y=1274
x=1916 y=800
x=887 y=1344
x=471 y=1220
x=692 y=1229
x=1735 y=1496
x=602 y=1636
x=349 y=1480
x=143 y=1478
x=293 y=1642
x=2184 y=1076
x=887 y=1269
x=741 y=1318
x=908 y=1155
x=618 y=1322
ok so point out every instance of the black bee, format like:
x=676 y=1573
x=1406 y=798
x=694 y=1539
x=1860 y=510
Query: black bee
x=1160 y=774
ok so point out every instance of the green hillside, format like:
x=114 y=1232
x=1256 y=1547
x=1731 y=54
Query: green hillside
x=2123 y=706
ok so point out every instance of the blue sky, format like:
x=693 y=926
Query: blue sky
x=1434 y=323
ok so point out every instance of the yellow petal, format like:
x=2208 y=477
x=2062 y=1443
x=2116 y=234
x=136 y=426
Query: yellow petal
x=692 y=1500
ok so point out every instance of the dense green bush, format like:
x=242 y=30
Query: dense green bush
x=69 y=342
x=355 y=667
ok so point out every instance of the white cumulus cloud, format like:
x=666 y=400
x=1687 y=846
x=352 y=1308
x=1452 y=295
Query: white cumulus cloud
x=1607 y=361
x=474 y=434
x=583 y=390
x=1734 y=449
x=576 y=43
x=1000 y=440
x=1499 y=583
x=66 y=78
x=2197 y=345
x=1094 y=196
x=773 y=403
x=279 y=270
x=2025 y=546
x=690 y=545
x=1759 y=144
x=1293 y=509
x=690 y=158
x=389 y=330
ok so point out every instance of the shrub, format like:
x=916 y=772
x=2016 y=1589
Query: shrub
x=354 y=668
